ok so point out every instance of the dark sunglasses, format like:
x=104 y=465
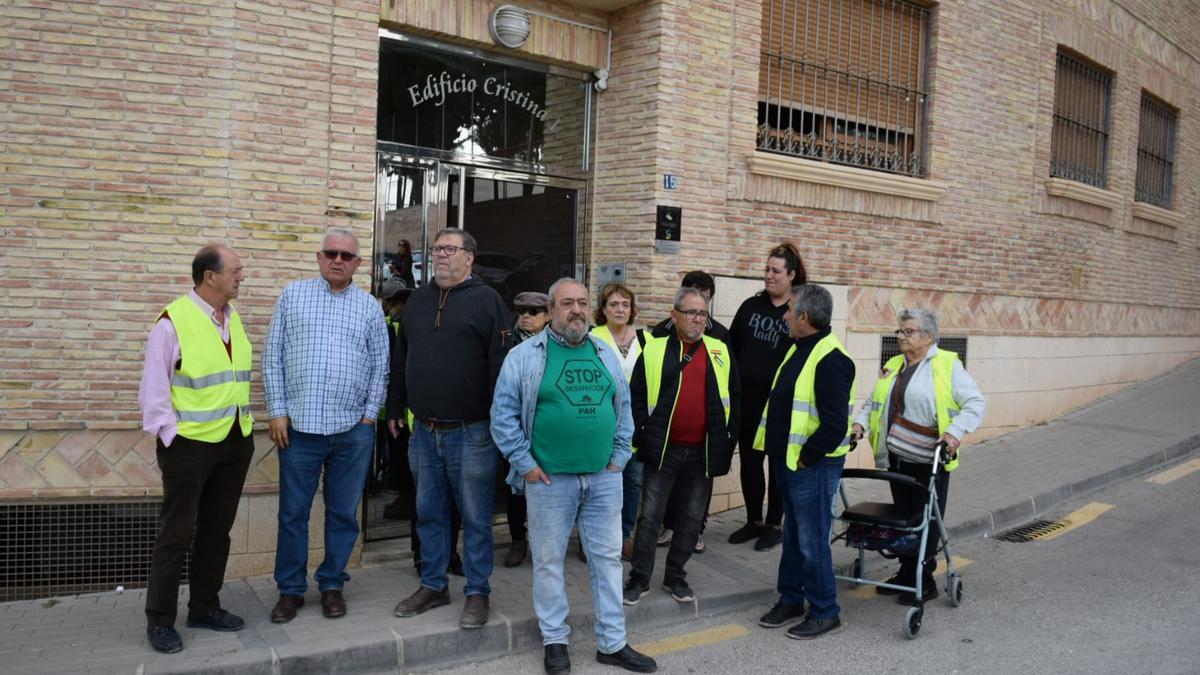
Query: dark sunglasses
x=332 y=254
x=529 y=311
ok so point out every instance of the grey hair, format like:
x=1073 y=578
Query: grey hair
x=926 y=320
x=816 y=302
x=339 y=232
x=685 y=291
x=565 y=280
x=468 y=240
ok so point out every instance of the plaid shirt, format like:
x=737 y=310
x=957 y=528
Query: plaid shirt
x=325 y=364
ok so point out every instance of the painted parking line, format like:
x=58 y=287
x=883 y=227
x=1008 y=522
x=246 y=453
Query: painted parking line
x=1078 y=518
x=1175 y=473
x=867 y=591
x=690 y=640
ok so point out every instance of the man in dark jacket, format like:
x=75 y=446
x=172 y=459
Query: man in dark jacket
x=447 y=356
x=703 y=282
x=684 y=394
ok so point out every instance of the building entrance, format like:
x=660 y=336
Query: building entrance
x=495 y=147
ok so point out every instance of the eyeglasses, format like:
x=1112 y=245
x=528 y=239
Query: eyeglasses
x=530 y=311
x=448 y=250
x=693 y=314
x=333 y=254
x=907 y=332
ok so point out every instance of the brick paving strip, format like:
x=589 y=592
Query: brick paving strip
x=1003 y=482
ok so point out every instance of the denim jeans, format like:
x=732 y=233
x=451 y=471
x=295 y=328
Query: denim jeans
x=592 y=502
x=632 y=481
x=345 y=459
x=806 y=564
x=456 y=464
x=682 y=471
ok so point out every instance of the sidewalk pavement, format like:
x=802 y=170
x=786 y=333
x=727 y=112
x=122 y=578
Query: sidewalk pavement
x=1002 y=482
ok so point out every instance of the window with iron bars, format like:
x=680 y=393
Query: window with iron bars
x=1079 y=141
x=844 y=81
x=1156 y=152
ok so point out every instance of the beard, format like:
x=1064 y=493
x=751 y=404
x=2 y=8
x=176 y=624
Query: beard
x=575 y=329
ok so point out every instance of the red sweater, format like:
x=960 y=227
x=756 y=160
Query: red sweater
x=689 y=426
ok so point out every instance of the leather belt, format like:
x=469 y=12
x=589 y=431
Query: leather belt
x=434 y=424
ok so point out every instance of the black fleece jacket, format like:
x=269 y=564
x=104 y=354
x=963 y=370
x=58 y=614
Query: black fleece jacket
x=650 y=431
x=445 y=361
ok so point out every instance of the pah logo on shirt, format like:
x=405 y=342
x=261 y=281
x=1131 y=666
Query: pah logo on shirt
x=584 y=384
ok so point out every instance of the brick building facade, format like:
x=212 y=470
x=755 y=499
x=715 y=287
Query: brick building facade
x=133 y=132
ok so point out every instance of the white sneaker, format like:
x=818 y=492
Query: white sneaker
x=699 y=544
x=664 y=537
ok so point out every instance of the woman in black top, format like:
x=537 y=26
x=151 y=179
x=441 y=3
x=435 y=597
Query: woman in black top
x=758 y=338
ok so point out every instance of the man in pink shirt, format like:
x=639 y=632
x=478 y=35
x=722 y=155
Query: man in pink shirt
x=195 y=397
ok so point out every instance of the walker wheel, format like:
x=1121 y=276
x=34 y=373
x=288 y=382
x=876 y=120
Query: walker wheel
x=956 y=591
x=912 y=622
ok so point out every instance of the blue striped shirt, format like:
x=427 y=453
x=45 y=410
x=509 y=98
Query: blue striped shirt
x=325 y=364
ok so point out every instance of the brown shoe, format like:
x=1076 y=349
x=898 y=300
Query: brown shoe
x=475 y=612
x=580 y=554
x=333 y=605
x=285 y=610
x=422 y=601
x=627 y=549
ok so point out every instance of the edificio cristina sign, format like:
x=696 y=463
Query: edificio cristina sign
x=436 y=89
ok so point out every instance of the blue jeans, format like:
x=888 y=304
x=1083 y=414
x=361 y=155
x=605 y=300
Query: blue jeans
x=345 y=458
x=806 y=564
x=632 y=480
x=458 y=463
x=592 y=502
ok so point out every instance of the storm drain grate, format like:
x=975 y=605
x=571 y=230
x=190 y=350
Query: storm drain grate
x=65 y=548
x=1030 y=531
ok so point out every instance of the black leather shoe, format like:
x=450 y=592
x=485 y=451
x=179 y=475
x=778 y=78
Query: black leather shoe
x=814 y=628
x=557 y=661
x=781 y=615
x=929 y=591
x=475 y=612
x=745 y=533
x=628 y=659
x=516 y=553
x=218 y=619
x=897 y=579
x=164 y=639
x=769 y=538
x=423 y=600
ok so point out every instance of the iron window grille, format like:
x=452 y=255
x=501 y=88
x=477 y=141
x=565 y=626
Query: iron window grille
x=1156 y=152
x=64 y=548
x=844 y=81
x=1079 y=141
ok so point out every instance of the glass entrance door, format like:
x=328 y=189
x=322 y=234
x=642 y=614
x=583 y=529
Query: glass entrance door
x=527 y=230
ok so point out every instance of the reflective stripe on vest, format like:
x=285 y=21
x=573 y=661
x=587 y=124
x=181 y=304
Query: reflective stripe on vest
x=804 y=419
x=209 y=392
x=653 y=355
x=943 y=394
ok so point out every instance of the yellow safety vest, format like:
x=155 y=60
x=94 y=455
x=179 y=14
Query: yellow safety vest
x=943 y=394
x=606 y=335
x=208 y=391
x=653 y=355
x=804 y=420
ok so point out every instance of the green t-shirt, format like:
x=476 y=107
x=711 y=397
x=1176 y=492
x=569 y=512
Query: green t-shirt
x=576 y=420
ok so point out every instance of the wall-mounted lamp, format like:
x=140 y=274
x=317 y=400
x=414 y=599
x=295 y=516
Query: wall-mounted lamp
x=509 y=26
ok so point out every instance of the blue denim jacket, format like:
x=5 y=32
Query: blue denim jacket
x=515 y=402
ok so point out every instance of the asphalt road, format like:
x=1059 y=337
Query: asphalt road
x=1117 y=594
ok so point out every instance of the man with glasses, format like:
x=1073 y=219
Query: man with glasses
x=561 y=417
x=703 y=282
x=444 y=364
x=685 y=409
x=325 y=376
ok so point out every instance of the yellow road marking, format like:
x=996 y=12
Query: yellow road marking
x=1078 y=518
x=866 y=591
x=689 y=640
x=1175 y=473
